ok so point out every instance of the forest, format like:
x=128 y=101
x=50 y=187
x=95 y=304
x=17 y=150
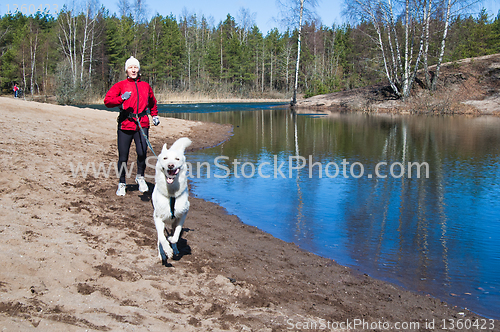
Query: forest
x=76 y=56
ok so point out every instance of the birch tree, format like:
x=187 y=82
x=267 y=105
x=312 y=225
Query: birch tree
x=189 y=28
x=245 y=22
x=33 y=29
x=449 y=4
x=297 y=63
x=140 y=10
x=154 y=44
x=68 y=40
x=403 y=35
x=287 y=54
x=76 y=36
x=87 y=41
x=292 y=15
x=124 y=8
x=391 y=21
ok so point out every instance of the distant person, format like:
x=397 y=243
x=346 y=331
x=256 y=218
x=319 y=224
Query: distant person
x=16 y=89
x=135 y=98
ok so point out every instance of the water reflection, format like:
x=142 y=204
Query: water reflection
x=436 y=235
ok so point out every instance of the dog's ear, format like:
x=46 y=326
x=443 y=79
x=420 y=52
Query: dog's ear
x=181 y=144
x=164 y=148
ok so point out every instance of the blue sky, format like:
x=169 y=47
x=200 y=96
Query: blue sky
x=265 y=11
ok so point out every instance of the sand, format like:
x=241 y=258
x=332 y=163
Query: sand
x=75 y=257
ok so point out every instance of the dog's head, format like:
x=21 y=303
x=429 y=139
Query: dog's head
x=172 y=161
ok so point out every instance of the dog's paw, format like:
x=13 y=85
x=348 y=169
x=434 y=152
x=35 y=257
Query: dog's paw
x=171 y=240
x=165 y=250
x=169 y=252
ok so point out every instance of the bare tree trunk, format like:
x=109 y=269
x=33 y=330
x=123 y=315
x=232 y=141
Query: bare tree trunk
x=334 y=57
x=154 y=47
x=88 y=33
x=33 y=49
x=84 y=45
x=271 y=80
x=33 y=39
x=427 y=23
x=68 y=26
x=221 y=63
x=315 y=71
x=46 y=73
x=68 y=40
x=388 y=71
x=297 y=64
x=421 y=48
x=288 y=54
x=401 y=72
x=91 y=56
x=443 y=43
x=24 y=76
x=262 y=80
x=256 y=68
x=188 y=48
x=406 y=91
x=397 y=63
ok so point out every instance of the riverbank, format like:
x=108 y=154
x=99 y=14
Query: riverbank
x=469 y=86
x=77 y=257
x=176 y=98
x=170 y=97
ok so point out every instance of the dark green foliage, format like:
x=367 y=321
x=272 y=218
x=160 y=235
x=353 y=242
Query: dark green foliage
x=170 y=49
x=494 y=38
x=189 y=54
x=472 y=37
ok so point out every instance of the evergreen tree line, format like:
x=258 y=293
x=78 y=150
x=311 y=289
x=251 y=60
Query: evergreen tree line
x=77 y=56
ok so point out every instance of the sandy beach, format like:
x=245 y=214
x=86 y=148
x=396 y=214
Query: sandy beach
x=75 y=257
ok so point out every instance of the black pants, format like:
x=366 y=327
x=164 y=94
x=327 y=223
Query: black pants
x=141 y=147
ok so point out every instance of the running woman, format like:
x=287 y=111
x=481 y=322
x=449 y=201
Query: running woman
x=135 y=98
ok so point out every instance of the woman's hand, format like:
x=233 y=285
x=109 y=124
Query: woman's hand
x=126 y=95
x=156 y=120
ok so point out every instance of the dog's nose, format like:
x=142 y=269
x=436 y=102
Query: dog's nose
x=170 y=166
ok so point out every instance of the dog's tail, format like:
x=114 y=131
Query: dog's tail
x=180 y=145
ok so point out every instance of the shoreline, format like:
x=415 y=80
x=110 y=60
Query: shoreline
x=469 y=86
x=225 y=101
x=101 y=271
x=181 y=99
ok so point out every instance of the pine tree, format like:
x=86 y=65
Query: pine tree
x=494 y=40
x=171 y=50
x=11 y=61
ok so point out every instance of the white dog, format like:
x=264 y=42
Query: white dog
x=170 y=195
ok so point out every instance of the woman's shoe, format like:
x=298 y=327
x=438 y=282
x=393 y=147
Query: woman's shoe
x=121 y=189
x=143 y=186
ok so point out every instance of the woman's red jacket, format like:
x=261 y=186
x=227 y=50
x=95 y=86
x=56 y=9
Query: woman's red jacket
x=142 y=97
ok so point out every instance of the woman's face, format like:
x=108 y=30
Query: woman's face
x=132 y=72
